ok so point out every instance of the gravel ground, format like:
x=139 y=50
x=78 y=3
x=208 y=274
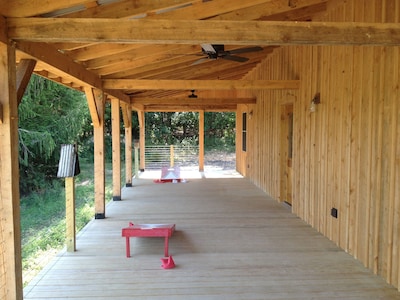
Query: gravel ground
x=220 y=159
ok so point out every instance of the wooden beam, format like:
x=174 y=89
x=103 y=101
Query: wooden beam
x=150 y=84
x=52 y=30
x=190 y=101
x=24 y=73
x=92 y=104
x=3 y=30
x=193 y=107
x=51 y=56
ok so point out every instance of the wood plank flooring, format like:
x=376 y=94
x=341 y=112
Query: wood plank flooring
x=232 y=242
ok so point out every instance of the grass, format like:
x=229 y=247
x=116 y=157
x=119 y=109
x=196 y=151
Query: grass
x=43 y=219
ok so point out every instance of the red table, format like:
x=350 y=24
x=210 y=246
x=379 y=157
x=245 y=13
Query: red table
x=148 y=230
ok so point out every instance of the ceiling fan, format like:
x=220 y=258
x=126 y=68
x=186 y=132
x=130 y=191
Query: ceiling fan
x=214 y=52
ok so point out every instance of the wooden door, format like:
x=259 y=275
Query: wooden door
x=286 y=153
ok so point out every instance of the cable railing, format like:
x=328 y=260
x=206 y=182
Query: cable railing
x=160 y=156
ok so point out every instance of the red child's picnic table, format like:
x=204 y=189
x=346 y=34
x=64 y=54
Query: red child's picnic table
x=148 y=230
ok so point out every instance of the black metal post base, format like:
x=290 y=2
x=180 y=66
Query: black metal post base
x=98 y=216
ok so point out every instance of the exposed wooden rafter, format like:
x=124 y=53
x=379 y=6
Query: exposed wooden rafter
x=49 y=55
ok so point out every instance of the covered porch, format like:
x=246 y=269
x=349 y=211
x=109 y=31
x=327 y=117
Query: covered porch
x=232 y=241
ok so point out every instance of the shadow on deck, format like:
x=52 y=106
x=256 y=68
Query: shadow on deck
x=232 y=242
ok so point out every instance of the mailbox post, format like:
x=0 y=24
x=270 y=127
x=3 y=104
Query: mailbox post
x=68 y=167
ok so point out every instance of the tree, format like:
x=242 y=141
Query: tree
x=166 y=128
x=49 y=115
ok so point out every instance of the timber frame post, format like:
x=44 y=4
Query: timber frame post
x=142 y=139
x=116 y=148
x=96 y=103
x=11 y=286
x=127 y=118
x=201 y=141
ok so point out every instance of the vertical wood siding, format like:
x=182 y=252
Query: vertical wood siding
x=346 y=154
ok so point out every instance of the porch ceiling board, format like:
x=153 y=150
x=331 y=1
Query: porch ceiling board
x=26 y=8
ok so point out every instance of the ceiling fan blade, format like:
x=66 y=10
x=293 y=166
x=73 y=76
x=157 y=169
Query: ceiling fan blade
x=235 y=58
x=245 y=50
x=208 y=48
x=200 y=61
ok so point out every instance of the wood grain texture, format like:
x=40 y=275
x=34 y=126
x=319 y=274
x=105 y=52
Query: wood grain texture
x=232 y=241
x=346 y=154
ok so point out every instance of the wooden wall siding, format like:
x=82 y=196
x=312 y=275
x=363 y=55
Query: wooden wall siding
x=347 y=153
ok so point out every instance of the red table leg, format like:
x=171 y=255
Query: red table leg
x=128 y=247
x=166 y=246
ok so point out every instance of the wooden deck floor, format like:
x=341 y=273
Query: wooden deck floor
x=232 y=242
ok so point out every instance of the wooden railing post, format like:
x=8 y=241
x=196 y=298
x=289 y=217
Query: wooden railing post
x=171 y=156
x=70 y=214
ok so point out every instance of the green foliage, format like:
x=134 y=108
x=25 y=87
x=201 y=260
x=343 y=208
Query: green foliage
x=219 y=128
x=167 y=128
x=43 y=216
x=49 y=115
x=182 y=128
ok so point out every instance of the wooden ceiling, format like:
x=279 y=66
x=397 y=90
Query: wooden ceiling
x=146 y=52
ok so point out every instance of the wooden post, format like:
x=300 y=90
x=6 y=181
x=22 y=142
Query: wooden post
x=142 y=139
x=128 y=156
x=127 y=118
x=96 y=103
x=137 y=160
x=68 y=167
x=116 y=149
x=10 y=235
x=171 y=155
x=70 y=213
x=201 y=141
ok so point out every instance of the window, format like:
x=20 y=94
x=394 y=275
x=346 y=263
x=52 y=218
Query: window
x=244 y=131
